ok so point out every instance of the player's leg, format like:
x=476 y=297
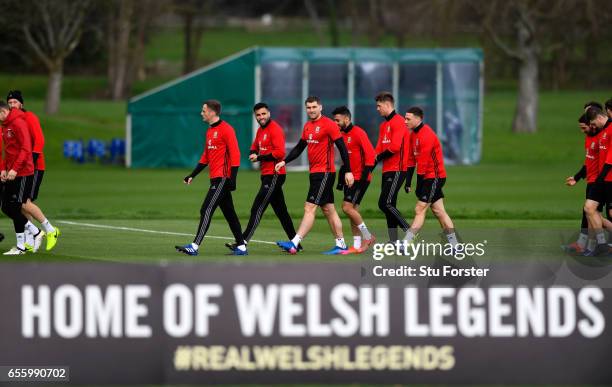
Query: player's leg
x=420 y=211
x=391 y=183
x=277 y=201
x=226 y=203
x=262 y=199
x=211 y=201
x=335 y=225
x=596 y=227
x=314 y=197
x=14 y=195
x=445 y=221
x=52 y=233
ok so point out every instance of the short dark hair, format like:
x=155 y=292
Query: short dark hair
x=384 y=96
x=417 y=111
x=593 y=112
x=260 y=105
x=583 y=119
x=213 y=105
x=593 y=104
x=343 y=110
x=4 y=105
x=313 y=98
x=609 y=104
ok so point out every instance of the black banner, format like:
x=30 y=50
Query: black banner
x=306 y=323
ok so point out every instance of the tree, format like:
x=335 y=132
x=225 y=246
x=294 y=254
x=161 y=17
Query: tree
x=53 y=30
x=528 y=24
x=128 y=27
x=191 y=11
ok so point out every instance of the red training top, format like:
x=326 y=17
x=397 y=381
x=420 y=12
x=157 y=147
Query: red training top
x=221 y=151
x=270 y=140
x=38 y=139
x=394 y=137
x=591 y=159
x=427 y=152
x=17 y=144
x=360 y=150
x=320 y=136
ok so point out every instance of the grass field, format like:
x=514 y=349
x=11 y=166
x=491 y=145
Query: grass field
x=519 y=184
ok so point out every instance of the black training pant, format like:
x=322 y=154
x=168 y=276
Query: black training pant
x=391 y=184
x=219 y=194
x=270 y=192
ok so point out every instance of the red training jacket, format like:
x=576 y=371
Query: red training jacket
x=221 y=151
x=395 y=137
x=320 y=136
x=17 y=144
x=360 y=150
x=38 y=139
x=427 y=153
x=270 y=140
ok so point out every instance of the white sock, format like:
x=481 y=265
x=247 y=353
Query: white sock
x=582 y=240
x=340 y=243
x=601 y=238
x=409 y=236
x=296 y=240
x=357 y=242
x=31 y=228
x=47 y=226
x=195 y=247
x=591 y=245
x=452 y=238
x=241 y=247
x=29 y=238
x=21 y=240
x=364 y=231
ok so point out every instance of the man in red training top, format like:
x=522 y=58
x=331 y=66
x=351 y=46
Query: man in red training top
x=31 y=211
x=431 y=176
x=594 y=195
x=319 y=135
x=392 y=149
x=598 y=120
x=222 y=155
x=267 y=149
x=361 y=153
x=16 y=169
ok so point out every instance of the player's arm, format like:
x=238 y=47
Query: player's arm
x=254 y=150
x=198 y=168
x=581 y=174
x=38 y=137
x=369 y=155
x=336 y=136
x=234 y=154
x=293 y=154
x=606 y=168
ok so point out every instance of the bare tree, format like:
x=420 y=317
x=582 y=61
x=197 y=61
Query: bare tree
x=527 y=22
x=128 y=28
x=53 y=31
x=193 y=28
x=315 y=19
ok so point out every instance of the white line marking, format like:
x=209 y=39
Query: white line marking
x=149 y=231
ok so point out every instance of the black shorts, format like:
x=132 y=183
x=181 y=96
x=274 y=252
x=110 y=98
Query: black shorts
x=18 y=190
x=37 y=180
x=321 y=189
x=430 y=190
x=356 y=192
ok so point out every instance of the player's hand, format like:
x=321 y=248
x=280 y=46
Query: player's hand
x=349 y=179
x=3 y=176
x=187 y=180
x=279 y=165
x=253 y=157
x=11 y=175
x=570 y=181
x=407 y=188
